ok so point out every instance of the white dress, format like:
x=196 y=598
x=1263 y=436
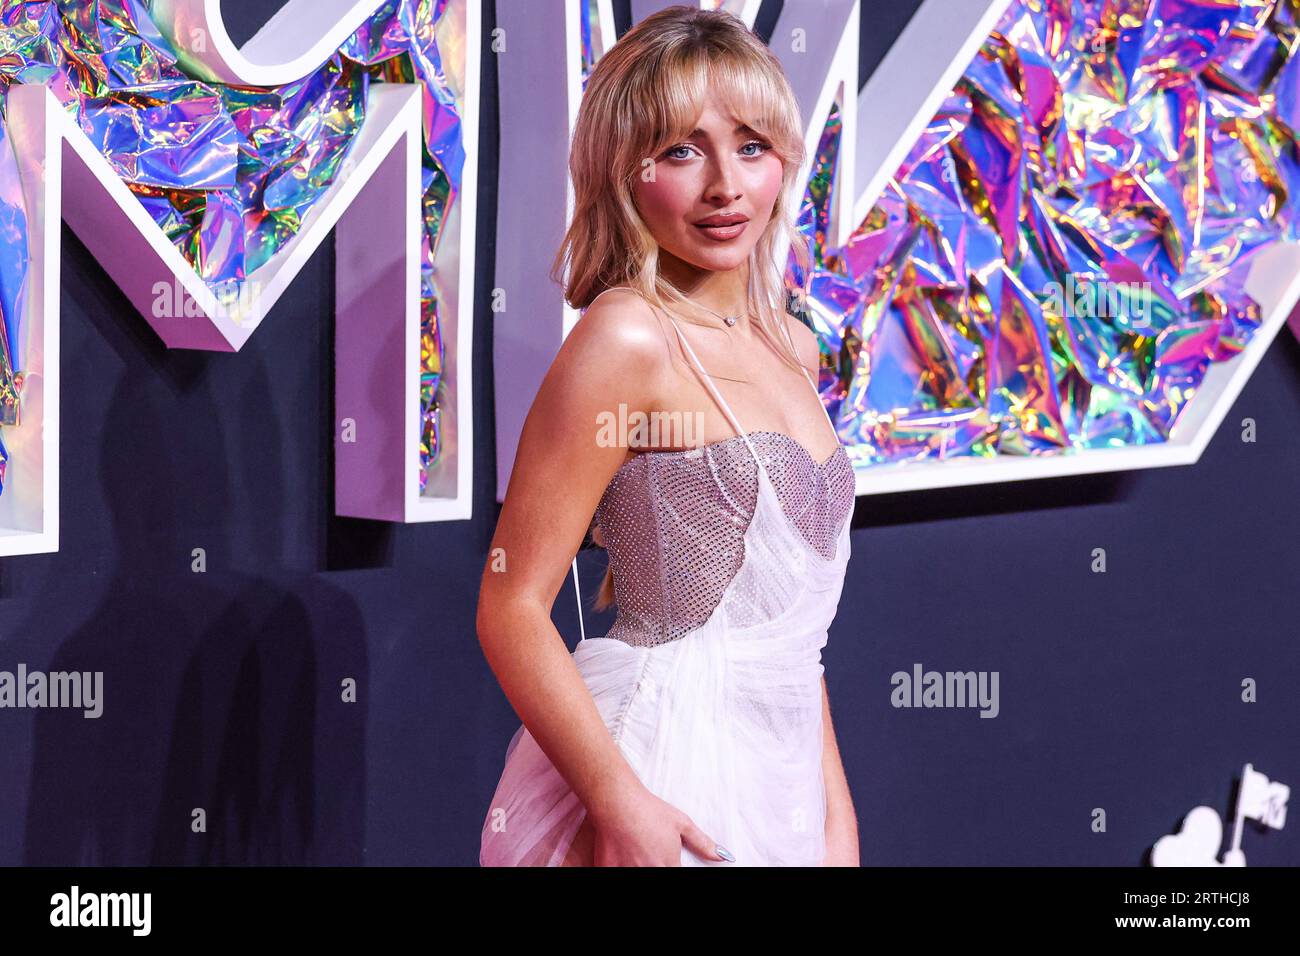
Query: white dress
x=710 y=678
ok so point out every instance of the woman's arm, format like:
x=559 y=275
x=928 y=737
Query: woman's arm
x=614 y=355
x=559 y=474
x=841 y=819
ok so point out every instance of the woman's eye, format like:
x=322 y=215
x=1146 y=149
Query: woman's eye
x=752 y=148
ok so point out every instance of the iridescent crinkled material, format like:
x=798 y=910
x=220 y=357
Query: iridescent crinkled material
x=13 y=285
x=1062 y=253
x=589 y=26
x=229 y=172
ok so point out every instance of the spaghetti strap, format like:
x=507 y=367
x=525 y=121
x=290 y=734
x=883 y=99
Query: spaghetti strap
x=816 y=391
x=577 y=594
x=603 y=291
x=830 y=421
x=717 y=396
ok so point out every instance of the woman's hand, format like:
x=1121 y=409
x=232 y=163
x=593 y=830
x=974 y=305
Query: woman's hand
x=643 y=830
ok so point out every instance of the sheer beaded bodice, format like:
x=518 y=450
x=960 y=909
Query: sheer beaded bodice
x=674 y=522
x=674 y=525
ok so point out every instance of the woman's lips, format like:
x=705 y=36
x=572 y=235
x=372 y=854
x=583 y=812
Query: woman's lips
x=723 y=233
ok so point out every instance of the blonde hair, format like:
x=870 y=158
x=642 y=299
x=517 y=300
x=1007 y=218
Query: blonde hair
x=643 y=96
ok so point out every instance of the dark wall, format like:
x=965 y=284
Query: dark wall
x=1118 y=690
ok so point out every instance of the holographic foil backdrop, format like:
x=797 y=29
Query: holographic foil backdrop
x=229 y=172
x=1062 y=253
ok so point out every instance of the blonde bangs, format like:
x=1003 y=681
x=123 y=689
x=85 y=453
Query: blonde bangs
x=742 y=85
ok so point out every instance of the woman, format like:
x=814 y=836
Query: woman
x=697 y=731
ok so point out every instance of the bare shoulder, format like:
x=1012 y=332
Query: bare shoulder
x=620 y=317
x=806 y=343
x=620 y=335
x=615 y=353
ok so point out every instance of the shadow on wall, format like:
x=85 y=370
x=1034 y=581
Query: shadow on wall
x=219 y=691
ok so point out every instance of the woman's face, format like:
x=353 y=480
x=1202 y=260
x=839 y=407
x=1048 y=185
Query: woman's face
x=710 y=196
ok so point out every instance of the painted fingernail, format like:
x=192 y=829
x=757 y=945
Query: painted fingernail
x=723 y=852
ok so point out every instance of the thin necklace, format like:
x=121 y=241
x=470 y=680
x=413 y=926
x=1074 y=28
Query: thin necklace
x=730 y=320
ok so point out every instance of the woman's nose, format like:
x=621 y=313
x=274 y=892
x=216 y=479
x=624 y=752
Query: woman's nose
x=723 y=184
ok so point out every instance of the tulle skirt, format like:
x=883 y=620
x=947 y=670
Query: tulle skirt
x=734 y=740
x=724 y=723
